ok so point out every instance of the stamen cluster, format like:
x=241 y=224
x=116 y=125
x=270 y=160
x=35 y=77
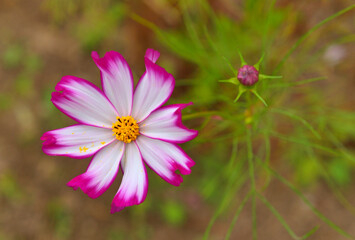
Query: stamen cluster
x=125 y=129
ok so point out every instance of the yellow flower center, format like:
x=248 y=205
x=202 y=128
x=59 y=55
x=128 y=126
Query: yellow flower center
x=126 y=129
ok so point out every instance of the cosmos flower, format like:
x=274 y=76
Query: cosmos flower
x=121 y=127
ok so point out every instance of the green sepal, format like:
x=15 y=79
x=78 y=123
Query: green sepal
x=257 y=65
x=233 y=80
x=263 y=76
x=242 y=59
x=241 y=90
x=235 y=72
x=259 y=97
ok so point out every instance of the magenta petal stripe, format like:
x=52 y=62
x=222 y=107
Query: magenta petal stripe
x=101 y=171
x=160 y=162
x=134 y=185
x=117 y=80
x=83 y=102
x=77 y=141
x=152 y=91
x=165 y=124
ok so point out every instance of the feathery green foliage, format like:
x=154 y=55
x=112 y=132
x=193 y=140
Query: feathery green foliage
x=212 y=42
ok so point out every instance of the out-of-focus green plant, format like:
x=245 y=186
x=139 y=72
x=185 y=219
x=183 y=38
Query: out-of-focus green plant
x=60 y=10
x=10 y=188
x=60 y=217
x=12 y=56
x=5 y=101
x=96 y=25
x=308 y=130
x=174 y=213
x=115 y=234
x=96 y=20
x=28 y=65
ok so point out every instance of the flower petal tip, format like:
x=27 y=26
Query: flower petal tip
x=115 y=209
x=95 y=55
x=48 y=139
x=152 y=55
x=83 y=182
x=72 y=184
x=119 y=203
x=177 y=181
x=155 y=69
x=187 y=170
x=188 y=104
x=195 y=134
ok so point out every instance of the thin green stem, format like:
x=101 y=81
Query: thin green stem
x=303 y=142
x=230 y=166
x=227 y=198
x=278 y=216
x=292 y=115
x=189 y=23
x=252 y=180
x=218 y=51
x=234 y=181
x=267 y=160
x=295 y=83
x=250 y=157
x=267 y=25
x=236 y=215
x=301 y=39
x=307 y=202
x=331 y=183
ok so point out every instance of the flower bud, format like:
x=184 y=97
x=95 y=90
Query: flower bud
x=248 y=75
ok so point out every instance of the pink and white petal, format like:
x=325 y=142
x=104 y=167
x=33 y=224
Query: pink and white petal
x=134 y=185
x=83 y=102
x=101 y=172
x=152 y=55
x=77 y=141
x=117 y=80
x=170 y=151
x=165 y=124
x=159 y=161
x=152 y=91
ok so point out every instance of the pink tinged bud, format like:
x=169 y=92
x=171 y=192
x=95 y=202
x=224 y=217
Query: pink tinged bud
x=248 y=75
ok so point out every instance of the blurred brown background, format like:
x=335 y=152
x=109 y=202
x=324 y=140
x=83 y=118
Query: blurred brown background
x=41 y=41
